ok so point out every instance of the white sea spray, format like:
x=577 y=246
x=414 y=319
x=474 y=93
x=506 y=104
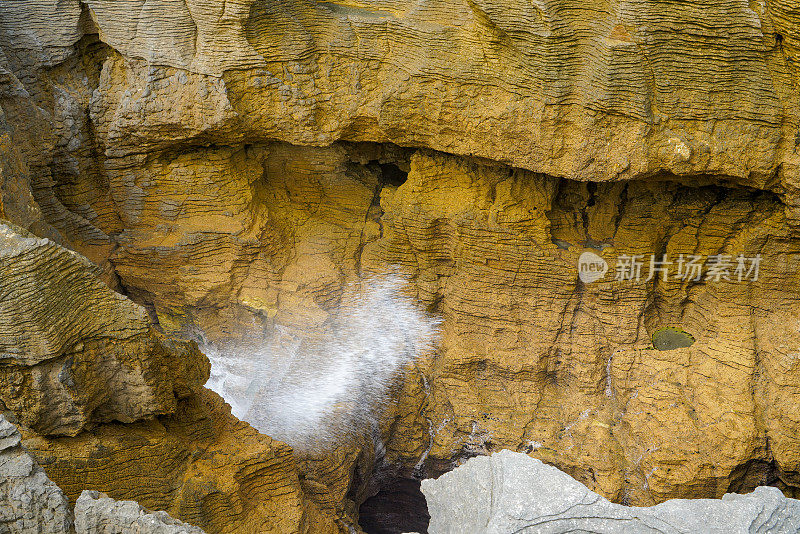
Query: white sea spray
x=316 y=391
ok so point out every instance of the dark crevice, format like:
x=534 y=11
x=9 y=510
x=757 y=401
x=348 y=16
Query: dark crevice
x=754 y=473
x=398 y=507
x=591 y=188
x=392 y=175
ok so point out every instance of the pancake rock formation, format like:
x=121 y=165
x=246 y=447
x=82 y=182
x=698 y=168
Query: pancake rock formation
x=535 y=360
x=201 y=466
x=106 y=403
x=511 y=492
x=30 y=503
x=230 y=167
x=73 y=351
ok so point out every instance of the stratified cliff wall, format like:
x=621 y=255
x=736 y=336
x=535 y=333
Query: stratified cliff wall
x=584 y=90
x=232 y=165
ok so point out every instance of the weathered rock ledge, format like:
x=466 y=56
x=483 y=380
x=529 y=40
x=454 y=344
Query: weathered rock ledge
x=512 y=492
x=30 y=503
x=73 y=353
x=106 y=403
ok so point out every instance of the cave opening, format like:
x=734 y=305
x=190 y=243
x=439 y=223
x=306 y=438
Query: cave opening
x=392 y=175
x=399 y=506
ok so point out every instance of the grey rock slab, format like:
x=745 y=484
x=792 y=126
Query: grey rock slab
x=30 y=503
x=96 y=513
x=510 y=492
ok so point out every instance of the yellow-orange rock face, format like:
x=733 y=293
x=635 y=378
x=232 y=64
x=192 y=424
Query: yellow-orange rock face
x=532 y=359
x=163 y=141
x=585 y=90
x=80 y=360
x=75 y=353
x=201 y=465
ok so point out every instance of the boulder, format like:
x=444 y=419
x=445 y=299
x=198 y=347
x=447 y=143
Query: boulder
x=96 y=513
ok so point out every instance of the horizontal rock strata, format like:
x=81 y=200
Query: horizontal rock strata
x=586 y=91
x=232 y=166
x=107 y=403
x=73 y=352
x=200 y=465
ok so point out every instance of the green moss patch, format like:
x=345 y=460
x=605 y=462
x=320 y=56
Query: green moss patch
x=669 y=338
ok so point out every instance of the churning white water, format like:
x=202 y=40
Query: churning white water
x=313 y=392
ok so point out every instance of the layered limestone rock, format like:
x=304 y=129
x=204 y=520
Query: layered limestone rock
x=161 y=140
x=77 y=356
x=510 y=492
x=585 y=91
x=582 y=90
x=29 y=502
x=17 y=112
x=533 y=359
x=96 y=513
x=495 y=251
x=200 y=465
x=75 y=353
x=238 y=252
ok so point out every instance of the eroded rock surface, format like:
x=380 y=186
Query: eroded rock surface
x=82 y=361
x=511 y=492
x=29 y=502
x=232 y=166
x=96 y=513
x=74 y=352
x=200 y=465
x=534 y=360
x=581 y=90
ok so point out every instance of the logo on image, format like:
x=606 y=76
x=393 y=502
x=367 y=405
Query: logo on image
x=591 y=267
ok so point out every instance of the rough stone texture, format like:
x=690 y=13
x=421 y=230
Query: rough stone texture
x=200 y=465
x=160 y=140
x=96 y=513
x=583 y=90
x=73 y=352
x=269 y=235
x=29 y=502
x=75 y=356
x=17 y=201
x=532 y=359
x=511 y=492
